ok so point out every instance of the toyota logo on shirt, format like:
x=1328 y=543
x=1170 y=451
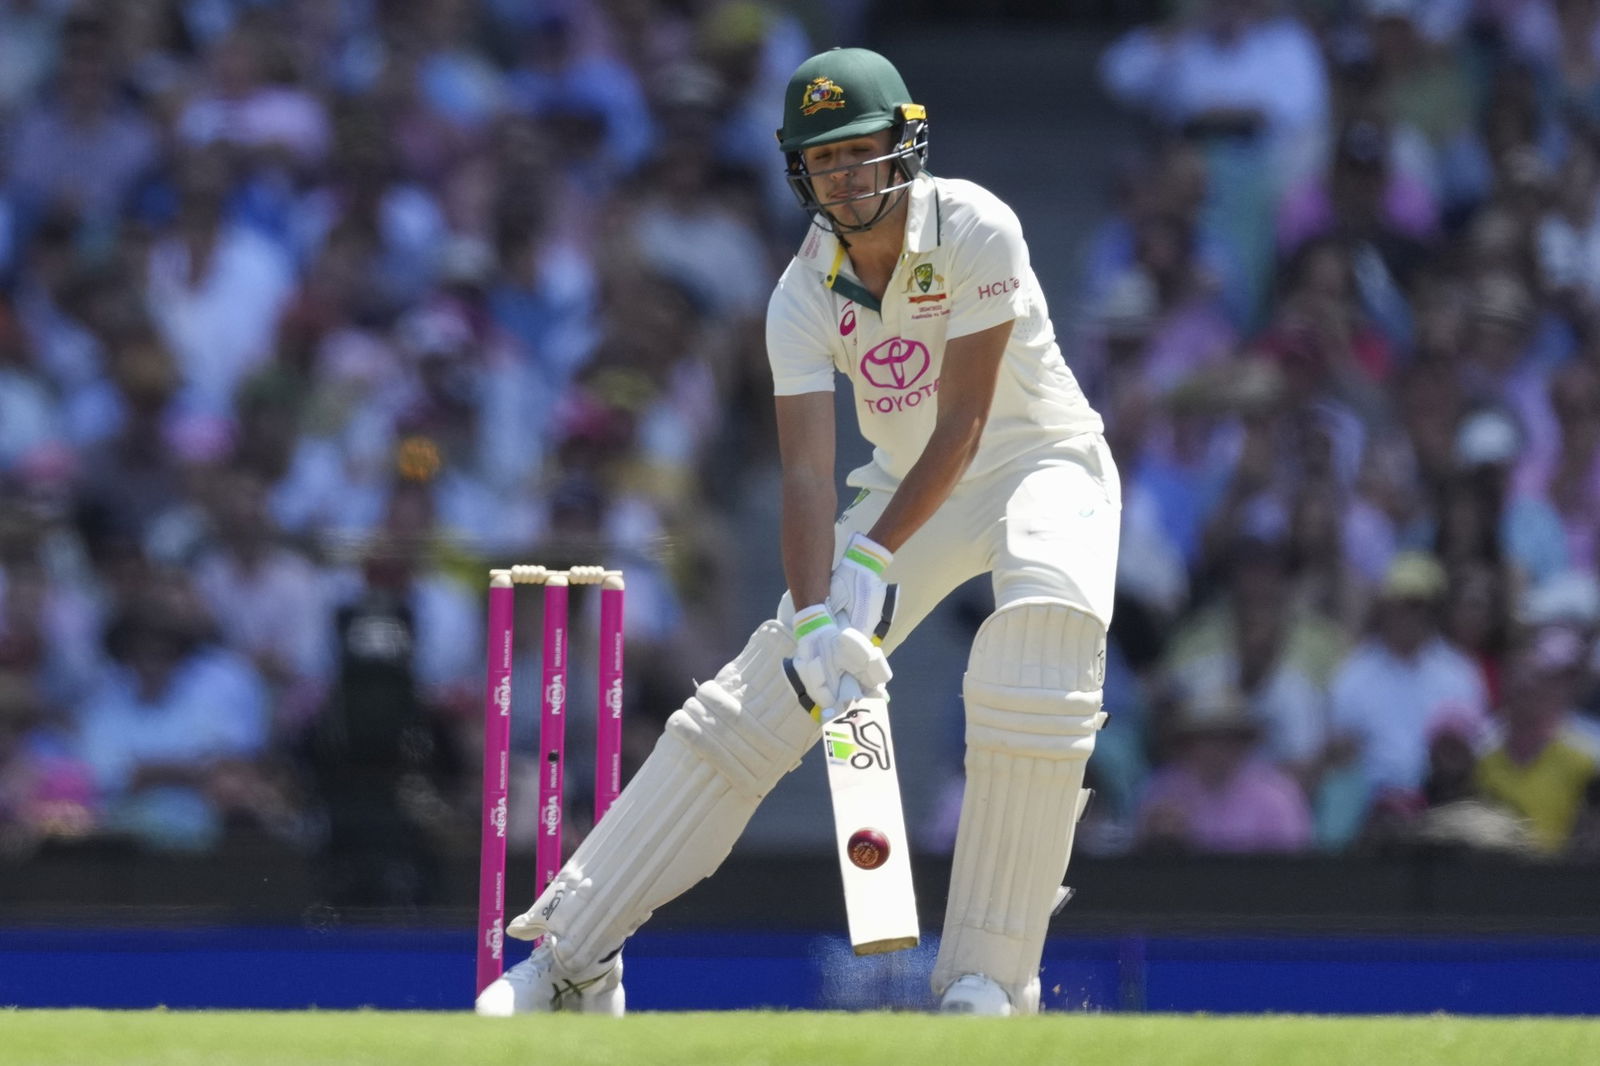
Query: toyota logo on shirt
x=897 y=363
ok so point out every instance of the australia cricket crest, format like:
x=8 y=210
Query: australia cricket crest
x=822 y=94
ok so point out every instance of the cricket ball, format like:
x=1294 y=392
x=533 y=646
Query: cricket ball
x=868 y=848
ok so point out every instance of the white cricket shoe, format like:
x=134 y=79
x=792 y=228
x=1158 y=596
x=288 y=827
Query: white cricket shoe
x=538 y=985
x=974 y=993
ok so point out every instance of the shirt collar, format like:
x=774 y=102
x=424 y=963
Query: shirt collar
x=923 y=224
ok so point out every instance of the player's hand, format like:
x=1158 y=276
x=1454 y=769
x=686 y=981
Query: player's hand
x=826 y=654
x=856 y=591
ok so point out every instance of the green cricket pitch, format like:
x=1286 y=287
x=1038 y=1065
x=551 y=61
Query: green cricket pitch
x=182 y=1038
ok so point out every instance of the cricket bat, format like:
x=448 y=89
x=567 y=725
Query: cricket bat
x=869 y=823
x=870 y=828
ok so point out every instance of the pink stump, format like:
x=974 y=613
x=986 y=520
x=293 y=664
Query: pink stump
x=608 y=720
x=552 y=730
x=496 y=769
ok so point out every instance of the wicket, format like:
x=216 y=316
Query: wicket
x=552 y=734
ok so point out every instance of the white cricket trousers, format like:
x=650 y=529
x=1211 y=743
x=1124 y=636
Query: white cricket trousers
x=1045 y=525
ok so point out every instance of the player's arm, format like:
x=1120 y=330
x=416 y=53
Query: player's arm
x=810 y=498
x=966 y=391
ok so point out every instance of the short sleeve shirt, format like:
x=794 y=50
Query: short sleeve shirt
x=964 y=269
x=1548 y=791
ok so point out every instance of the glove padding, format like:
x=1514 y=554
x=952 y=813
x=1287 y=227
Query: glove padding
x=826 y=655
x=857 y=589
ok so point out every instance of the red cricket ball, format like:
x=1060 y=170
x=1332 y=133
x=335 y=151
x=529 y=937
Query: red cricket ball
x=868 y=848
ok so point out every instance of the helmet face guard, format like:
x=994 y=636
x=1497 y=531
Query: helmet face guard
x=907 y=158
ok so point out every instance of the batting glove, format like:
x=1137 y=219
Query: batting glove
x=825 y=655
x=856 y=591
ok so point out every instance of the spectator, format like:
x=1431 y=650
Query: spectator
x=1539 y=769
x=266 y=597
x=1477 y=622
x=1403 y=678
x=1216 y=795
x=1234 y=69
x=49 y=623
x=1554 y=523
x=559 y=65
x=135 y=475
x=1259 y=663
x=446 y=643
x=1187 y=331
x=744 y=51
x=1365 y=198
x=376 y=755
x=175 y=732
x=80 y=150
x=1423 y=83
x=45 y=793
x=1569 y=232
x=699 y=226
x=1325 y=577
x=1454 y=814
x=29 y=419
x=387 y=221
x=1321 y=337
x=251 y=100
x=1572 y=600
x=1172 y=183
x=216 y=289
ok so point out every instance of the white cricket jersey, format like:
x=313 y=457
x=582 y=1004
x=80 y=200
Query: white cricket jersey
x=964 y=269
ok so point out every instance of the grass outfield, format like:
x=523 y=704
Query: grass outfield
x=179 y=1038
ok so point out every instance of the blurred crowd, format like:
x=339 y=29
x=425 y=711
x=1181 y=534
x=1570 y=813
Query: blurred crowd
x=310 y=311
x=1344 y=322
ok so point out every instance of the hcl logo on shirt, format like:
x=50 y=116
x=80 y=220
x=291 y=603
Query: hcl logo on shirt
x=897 y=363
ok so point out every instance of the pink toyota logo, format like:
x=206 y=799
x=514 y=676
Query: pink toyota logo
x=897 y=363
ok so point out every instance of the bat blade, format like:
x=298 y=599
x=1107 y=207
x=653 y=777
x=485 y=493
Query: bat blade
x=870 y=829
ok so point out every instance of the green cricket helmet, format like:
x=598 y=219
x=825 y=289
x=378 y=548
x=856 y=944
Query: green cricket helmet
x=845 y=93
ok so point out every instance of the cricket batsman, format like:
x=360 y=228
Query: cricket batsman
x=986 y=460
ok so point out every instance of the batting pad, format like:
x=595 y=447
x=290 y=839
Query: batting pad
x=1032 y=689
x=680 y=815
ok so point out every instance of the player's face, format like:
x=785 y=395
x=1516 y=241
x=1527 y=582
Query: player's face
x=852 y=171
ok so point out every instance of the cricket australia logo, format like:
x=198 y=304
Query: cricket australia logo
x=502 y=697
x=929 y=284
x=855 y=739
x=823 y=94
x=897 y=363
